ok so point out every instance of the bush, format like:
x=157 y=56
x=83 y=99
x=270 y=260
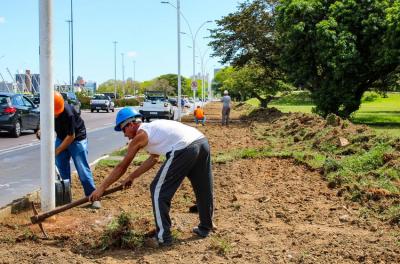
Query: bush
x=125 y=102
x=370 y=97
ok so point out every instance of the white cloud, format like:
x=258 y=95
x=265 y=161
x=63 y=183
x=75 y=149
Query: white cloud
x=2 y=20
x=132 y=54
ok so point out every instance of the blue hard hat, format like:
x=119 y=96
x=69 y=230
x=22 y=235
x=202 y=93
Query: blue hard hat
x=124 y=114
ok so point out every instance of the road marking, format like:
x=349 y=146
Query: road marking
x=4 y=151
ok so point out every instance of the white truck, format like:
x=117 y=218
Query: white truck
x=156 y=105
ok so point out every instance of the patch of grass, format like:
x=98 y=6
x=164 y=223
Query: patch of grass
x=221 y=246
x=120 y=152
x=294 y=98
x=393 y=214
x=253 y=102
x=107 y=163
x=119 y=233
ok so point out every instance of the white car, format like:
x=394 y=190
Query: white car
x=128 y=96
x=101 y=102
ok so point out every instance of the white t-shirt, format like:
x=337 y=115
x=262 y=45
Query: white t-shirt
x=167 y=135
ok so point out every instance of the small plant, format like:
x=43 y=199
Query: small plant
x=120 y=234
x=221 y=245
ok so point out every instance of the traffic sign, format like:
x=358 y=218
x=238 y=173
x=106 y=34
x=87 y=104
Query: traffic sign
x=194 y=85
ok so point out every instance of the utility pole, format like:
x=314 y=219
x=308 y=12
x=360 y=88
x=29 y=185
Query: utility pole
x=72 y=49
x=123 y=74
x=71 y=79
x=115 y=69
x=47 y=151
x=178 y=14
x=134 y=87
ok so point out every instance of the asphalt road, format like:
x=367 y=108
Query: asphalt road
x=20 y=158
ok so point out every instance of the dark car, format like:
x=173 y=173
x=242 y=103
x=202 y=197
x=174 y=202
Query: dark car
x=18 y=113
x=173 y=101
x=72 y=100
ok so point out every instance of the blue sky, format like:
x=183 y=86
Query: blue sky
x=146 y=31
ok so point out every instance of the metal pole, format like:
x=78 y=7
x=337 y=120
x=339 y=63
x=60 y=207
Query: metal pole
x=123 y=75
x=194 y=72
x=179 y=58
x=134 y=88
x=47 y=150
x=115 y=70
x=72 y=50
x=69 y=54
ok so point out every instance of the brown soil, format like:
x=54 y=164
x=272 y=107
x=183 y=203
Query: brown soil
x=267 y=211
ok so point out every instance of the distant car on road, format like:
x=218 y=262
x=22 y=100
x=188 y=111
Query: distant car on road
x=72 y=100
x=101 y=102
x=128 y=96
x=18 y=113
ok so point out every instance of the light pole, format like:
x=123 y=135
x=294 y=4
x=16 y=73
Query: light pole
x=123 y=74
x=72 y=49
x=115 y=69
x=134 y=88
x=71 y=79
x=193 y=41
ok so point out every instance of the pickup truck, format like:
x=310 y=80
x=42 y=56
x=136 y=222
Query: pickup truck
x=101 y=102
x=156 y=105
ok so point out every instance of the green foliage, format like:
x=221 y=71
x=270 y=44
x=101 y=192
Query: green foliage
x=339 y=49
x=221 y=245
x=294 y=98
x=120 y=234
x=126 y=102
x=107 y=163
x=246 y=39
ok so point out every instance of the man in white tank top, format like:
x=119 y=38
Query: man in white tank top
x=188 y=155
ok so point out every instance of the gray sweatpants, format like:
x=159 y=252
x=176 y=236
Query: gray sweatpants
x=194 y=162
x=225 y=115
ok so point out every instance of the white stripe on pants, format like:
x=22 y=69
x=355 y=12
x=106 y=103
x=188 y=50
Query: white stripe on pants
x=157 y=194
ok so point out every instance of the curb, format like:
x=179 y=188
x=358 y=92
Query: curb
x=24 y=203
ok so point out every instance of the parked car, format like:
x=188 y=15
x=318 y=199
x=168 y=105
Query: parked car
x=18 y=113
x=128 y=96
x=101 y=102
x=71 y=99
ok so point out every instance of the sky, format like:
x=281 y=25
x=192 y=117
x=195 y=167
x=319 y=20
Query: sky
x=145 y=31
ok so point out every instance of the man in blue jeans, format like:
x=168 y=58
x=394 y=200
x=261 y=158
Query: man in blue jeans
x=71 y=142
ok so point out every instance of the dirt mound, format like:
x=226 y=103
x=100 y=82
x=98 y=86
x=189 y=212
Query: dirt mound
x=263 y=115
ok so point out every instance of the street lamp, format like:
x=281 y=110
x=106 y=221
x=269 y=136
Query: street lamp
x=134 y=69
x=115 y=69
x=71 y=79
x=193 y=37
x=123 y=74
x=178 y=12
x=72 y=50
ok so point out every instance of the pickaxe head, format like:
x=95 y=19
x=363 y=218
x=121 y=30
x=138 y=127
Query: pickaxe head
x=35 y=220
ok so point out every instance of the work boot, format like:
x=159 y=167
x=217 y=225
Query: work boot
x=200 y=232
x=96 y=205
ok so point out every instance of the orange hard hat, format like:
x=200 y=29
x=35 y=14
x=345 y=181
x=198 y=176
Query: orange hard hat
x=58 y=103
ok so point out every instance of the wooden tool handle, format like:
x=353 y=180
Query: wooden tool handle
x=41 y=217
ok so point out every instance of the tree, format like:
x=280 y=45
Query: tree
x=247 y=40
x=173 y=82
x=339 y=49
x=249 y=81
x=161 y=85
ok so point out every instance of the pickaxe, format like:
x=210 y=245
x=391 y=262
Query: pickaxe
x=39 y=218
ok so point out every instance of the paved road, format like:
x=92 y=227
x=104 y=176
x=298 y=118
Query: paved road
x=20 y=158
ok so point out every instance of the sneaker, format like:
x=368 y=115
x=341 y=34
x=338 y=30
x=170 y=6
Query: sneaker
x=153 y=242
x=96 y=205
x=200 y=233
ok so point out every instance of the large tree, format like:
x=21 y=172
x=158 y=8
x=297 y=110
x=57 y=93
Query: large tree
x=247 y=39
x=339 y=49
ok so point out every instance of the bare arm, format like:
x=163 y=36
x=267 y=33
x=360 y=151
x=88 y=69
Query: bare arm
x=135 y=145
x=145 y=166
x=64 y=145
